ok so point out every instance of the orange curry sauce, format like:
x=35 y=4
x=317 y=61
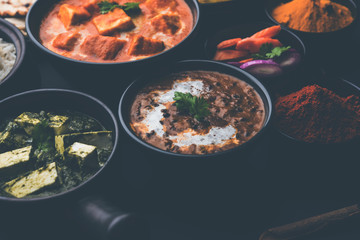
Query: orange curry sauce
x=76 y=29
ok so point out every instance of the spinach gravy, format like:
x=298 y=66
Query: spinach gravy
x=46 y=153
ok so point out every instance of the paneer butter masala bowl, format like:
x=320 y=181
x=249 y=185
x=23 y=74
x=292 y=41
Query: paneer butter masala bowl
x=201 y=109
x=111 y=31
x=53 y=144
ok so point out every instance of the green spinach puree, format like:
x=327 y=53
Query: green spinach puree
x=46 y=153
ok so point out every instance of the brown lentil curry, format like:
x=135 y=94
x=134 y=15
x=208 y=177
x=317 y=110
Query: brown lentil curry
x=236 y=113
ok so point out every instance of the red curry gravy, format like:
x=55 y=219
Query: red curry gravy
x=76 y=29
x=237 y=113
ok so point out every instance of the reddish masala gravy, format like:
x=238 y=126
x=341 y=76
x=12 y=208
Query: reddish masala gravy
x=162 y=23
x=236 y=113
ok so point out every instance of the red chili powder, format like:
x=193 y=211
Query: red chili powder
x=316 y=114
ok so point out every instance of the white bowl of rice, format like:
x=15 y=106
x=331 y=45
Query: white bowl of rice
x=12 y=54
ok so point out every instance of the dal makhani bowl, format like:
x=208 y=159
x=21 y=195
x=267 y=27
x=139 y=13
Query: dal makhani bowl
x=198 y=108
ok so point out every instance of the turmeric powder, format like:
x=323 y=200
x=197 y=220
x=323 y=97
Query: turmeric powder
x=313 y=15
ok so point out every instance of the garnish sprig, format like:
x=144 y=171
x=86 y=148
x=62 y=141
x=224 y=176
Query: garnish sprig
x=193 y=105
x=267 y=51
x=129 y=7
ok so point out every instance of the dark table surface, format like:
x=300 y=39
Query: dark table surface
x=293 y=181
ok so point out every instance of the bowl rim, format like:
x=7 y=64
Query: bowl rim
x=91 y=179
x=318 y=144
x=303 y=51
x=218 y=4
x=188 y=63
x=354 y=6
x=35 y=41
x=19 y=58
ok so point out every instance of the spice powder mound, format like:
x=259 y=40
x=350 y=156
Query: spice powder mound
x=316 y=114
x=313 y=15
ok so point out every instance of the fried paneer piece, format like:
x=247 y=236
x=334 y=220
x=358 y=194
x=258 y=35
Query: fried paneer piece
x=113 y=21
x=71 y=15
x=144 y=46
x=167 y=23
x=102 y=47
x=33 y=182
x=66 y=40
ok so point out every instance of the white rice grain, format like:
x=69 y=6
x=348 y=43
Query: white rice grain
x=7 y=58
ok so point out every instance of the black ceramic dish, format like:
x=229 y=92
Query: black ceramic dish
x=286 y=37
x=58 y=99
x=328 y=168
x=217 y=7
x=87 y=75
x=337 y=85
x=11 y=34
x=196 y=181
x=319 y=38
x=131 y=91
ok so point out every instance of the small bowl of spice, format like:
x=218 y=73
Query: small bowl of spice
x=324 y=112
x=314 y=20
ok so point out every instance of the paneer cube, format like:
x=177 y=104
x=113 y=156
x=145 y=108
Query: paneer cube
x=167 y=23
x=58 y=123
x=13 y=137
x=102 y=47
x=85 y=155
x=28 y=121
x=100 y=139
x=71 y=15
x=66 y=40
x=161 y=4
x=113 y=21
x=14 y=162
x=144 y=46
x=33 y=182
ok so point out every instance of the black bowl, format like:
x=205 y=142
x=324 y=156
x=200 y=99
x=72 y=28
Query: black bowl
x=183 y=182
x=58 y=99
x=170 y=163
x=304 y=167
x=335 y=84
x=11 y=83
x=91 y=75
x=314 y=39
x=131 y=91
x=247 y=29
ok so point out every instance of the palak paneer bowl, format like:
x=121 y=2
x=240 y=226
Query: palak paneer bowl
x=53 y=142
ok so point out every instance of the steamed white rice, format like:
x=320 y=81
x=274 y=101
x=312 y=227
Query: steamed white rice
x=7 y=58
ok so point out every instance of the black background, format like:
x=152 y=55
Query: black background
x=291 y=182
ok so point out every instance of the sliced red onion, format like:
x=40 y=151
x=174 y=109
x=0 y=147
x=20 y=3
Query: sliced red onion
x=262 y=68
x=289 y=59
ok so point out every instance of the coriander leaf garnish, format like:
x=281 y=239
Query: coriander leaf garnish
x=43 y=135
x=106 y=6
x=276 y=52
x=264 y=49
x=193 y=105
x=267 y=51
x=129 y=7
